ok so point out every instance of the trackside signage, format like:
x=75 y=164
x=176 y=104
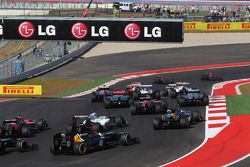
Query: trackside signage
x=89 y=29
x=29 y=90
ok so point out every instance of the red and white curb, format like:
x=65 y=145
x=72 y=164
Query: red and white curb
x=217 y=118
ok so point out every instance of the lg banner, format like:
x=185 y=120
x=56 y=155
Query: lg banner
x=157 y=30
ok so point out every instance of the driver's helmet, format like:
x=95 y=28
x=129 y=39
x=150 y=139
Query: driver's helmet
x=93 y=115
x=19 y=117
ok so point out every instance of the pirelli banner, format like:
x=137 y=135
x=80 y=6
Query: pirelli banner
x=218 y=26
x=90 y=29
x=21 y=90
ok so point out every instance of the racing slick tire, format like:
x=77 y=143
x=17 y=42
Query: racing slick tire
x=107 y=103
x=163 y=93
x=22 y=146
x=133 y=109
x=26 y=131
x=2 y=149
x=205 y=100
x=172 y=93
x=164 y=104
x=93 y=97
x=184 y=123
x=42 y=124
x=125 y=139
x=80 y=148
x=120 y=122
x=157 y=95
x=136 y=95
x=196 y=116
x=157 y=124
x=54 y=151
x=97 y=127
x=158 y=108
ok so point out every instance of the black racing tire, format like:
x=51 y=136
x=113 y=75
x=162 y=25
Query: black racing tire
x=107 y=103
x=2 y=149
x=205 y=100
x=93 y=97
x=196 y=116
x=80 y=148
x=118 y=122
x=181 y=101
x=22 y=146
x=163 y=93
x=164 y=104
x=1 y=132
x=157 y=95
x=26 y=131
x=130 y=101
x=158 y=108
x=54 y=151
x=133 y=109
x=42 y=124
x=125 y=139
x=184 y=123
x=172 y=93
x=157 y=123
x=136 y=95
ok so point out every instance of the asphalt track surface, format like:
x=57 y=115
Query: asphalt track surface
x=156 y=148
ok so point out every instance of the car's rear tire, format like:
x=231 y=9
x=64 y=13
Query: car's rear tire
x=107 y=103
x=181 y=101
x=2 y=149
x=22 y=146
x=172 y=93
x=157 y=124
x=80 y=148
x=163 y=93
x=196 y=116
x=184 y=123
x=205 y=100
x=119 y=121
x=157 y=95
x=93 y=97
x=26 y=131
x=125 y=139
x=42 y=124
x=133 y=109
x=136 y=95
x=54 y=151
x=97 y=127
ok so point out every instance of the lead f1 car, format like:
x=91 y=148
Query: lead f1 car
x=177 y=119
x=211 y=77
x=20 y=127
x=82 y=143
x=19 y=144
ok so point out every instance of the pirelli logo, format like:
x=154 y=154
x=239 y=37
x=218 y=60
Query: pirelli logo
x=219 y=26
x=21 y=90
x=245 y=25
x=189 y=26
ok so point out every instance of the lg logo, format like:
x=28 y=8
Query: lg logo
x=26 y=30
x=1 y=30
x=79 y=30
x=132 y=31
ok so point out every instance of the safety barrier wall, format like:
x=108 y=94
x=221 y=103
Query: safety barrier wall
x=216 y=26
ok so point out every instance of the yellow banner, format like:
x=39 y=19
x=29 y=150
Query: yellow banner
x=216 y=26
x=21 y=90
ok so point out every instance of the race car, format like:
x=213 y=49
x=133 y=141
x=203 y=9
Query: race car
x=172 y=90
x=82 y=143
x=177 y=119
x=193 y=97
x=148 y=106
x=105 y=122
x=20 y=127
x=97 y=96
x=117 y=98
x=211 y=77
x=19 y=144
x=133 y=87
x=146 y=91
x=162 y=80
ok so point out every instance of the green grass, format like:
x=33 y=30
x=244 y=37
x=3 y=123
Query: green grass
x=86 y=86
x=238 y=105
